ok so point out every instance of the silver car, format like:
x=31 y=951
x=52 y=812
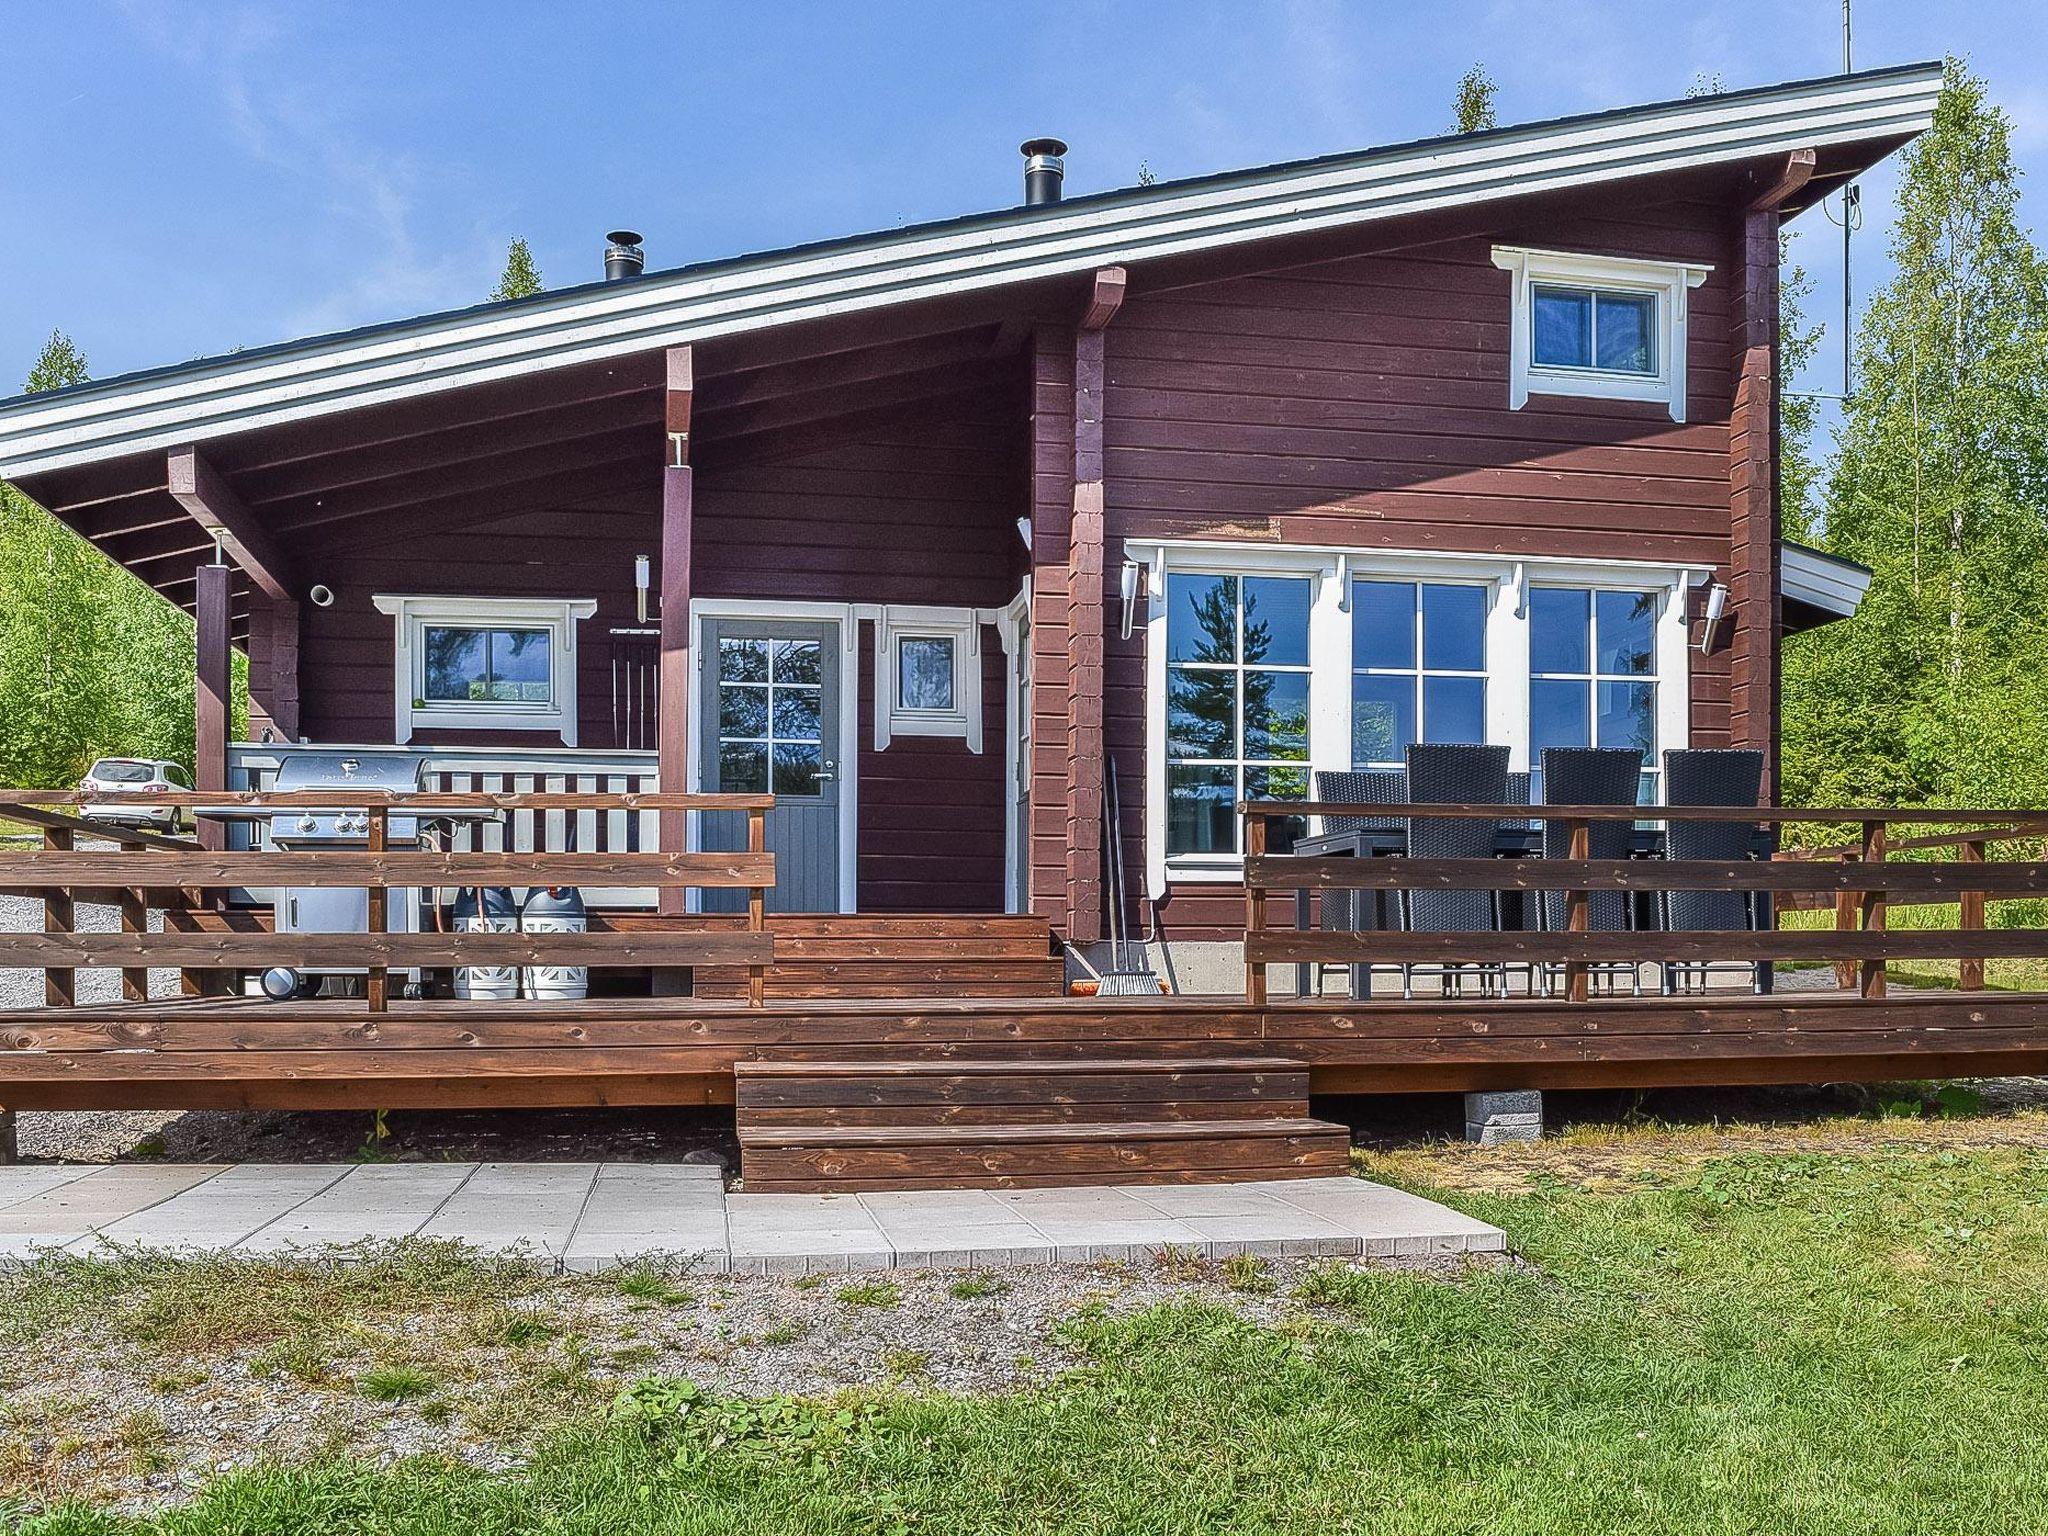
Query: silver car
x=132 y=776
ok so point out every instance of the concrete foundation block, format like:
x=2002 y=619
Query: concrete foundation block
x=1492 y=1118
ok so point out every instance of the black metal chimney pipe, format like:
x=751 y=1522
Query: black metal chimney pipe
x=623 y=257
x=1044 y=170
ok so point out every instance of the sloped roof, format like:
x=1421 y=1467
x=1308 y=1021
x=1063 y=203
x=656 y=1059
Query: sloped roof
x=191 y=402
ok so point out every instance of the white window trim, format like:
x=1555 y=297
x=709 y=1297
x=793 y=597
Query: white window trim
x=848 y=617
x=412 y=614
x=1507 y=641
x=962 y=626
x=1666 y=281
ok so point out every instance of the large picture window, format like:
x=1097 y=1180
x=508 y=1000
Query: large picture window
x=1237 y=704
x=1593 y=674
x=1418 y=658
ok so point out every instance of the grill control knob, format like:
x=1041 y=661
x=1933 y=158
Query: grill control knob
x=307 y=825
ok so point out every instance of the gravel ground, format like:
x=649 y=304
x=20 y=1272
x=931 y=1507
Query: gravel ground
x=93 y=1410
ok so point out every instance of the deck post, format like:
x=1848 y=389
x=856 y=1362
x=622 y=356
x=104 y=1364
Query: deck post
x=1873 y=908
x=211 y=696
x=1578 y=913
x=1254 y=907
x=672 y=720
x=1085 y=618
x=377 y=980
x=1845 y=922
x=1970 y=971
x=60 y=983
x=757 y=908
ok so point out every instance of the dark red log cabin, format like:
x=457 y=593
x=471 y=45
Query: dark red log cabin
x=942 y=524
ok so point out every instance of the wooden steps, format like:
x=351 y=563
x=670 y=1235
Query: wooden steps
x=836 y=1125
x=880 y=955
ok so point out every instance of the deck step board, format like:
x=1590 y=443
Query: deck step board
x=839 y=1123
x=878 y=956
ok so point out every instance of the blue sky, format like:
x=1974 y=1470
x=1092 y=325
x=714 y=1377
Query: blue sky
x=182 y=178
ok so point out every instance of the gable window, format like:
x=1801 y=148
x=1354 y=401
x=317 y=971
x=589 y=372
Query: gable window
x=489 y=664
x=1597 y=326
x=1237 y=704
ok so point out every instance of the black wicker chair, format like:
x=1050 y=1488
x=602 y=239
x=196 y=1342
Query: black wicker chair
x=1711 y=777
x=1454 y=775
x=1357 y=911
x=1592 y=776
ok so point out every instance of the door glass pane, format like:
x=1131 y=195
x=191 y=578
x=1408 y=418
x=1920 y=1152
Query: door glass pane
x=798 y=661
x=924 y=672
x=1201 y=619
x=456 y=666
x=1382 y=720
x=796 y=715
x=1383 y=624
x=743 y=661
x=1627 y=326
x=1275 y=714
x=1454 y=629
x=796 y=768
x=1557 y=715
x=1562 y=336
x=742 y=710
x=1201 y=809
x=1276 y=621
x=1454 y=709
x=520 y=666
x=1557 y=629
x=742 y=767
x=1201 y=712
x=1627 y=632
x=1627 y=716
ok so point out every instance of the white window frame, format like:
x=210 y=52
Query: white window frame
x=413 y=614
x=1419 y=674
x=1666 y=281
x=1330 y=653
x=1593 y=677
x=896 y=623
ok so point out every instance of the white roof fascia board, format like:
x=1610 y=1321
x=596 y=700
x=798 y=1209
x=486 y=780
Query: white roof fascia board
x=602 y=321
x=1822 y=581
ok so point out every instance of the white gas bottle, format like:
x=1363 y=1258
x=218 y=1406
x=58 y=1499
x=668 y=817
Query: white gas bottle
x=556 y=909
x=499 y=914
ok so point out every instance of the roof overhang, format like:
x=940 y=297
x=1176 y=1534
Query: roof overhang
x=1864 y=115
x=1818 y=588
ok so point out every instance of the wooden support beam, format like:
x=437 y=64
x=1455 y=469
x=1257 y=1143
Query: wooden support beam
x=672 y=721
x=1085 y=617
x=212 y=695
x=203 y=492
x=1757 y=609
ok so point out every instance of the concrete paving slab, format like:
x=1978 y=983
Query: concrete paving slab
x=949 y=1228
x=801 y=1233
x=644 y=1210
x=376 y=1202
x=23 y=1183
x=224 y=1210
x=67 y=1212
x=1105 y=1222
x=1390 y=1220
x=516 y=1207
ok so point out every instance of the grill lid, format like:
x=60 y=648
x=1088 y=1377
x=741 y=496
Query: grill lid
x=317 y=771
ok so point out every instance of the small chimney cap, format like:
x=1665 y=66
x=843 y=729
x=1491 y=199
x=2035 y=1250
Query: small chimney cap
x=1044 y=170
x=623 y=257
x=1042 y=147
x=622 y=236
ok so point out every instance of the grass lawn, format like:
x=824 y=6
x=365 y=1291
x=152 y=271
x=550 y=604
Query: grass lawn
x=1830 y=1329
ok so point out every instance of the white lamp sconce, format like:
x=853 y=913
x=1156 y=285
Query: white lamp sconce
x=1716 y=606
x=1024 y=530
x=642 y=575
x=1130 y=582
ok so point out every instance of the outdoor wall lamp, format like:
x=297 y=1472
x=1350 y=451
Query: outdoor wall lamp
x=1717 y=604
x=1130 y=580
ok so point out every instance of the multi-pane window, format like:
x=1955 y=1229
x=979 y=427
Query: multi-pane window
x=1593 y=673
x=464 y=664
x=770 y=722
x=1418 y=667
x=1610 y=330
x=1237 y=704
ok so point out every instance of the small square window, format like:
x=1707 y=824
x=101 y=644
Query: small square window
x=924 y=673
x=1611 y=331
x=1600 y=327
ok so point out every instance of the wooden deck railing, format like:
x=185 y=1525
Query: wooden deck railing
x=145 y=869
x=1862 y=882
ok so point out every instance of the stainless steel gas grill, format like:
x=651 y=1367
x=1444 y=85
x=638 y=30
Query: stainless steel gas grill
x=341 y=909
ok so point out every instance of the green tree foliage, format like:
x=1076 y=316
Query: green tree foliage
x=1473 y=109
x=520 y=277
x=1937 y=692
x=91 y=661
